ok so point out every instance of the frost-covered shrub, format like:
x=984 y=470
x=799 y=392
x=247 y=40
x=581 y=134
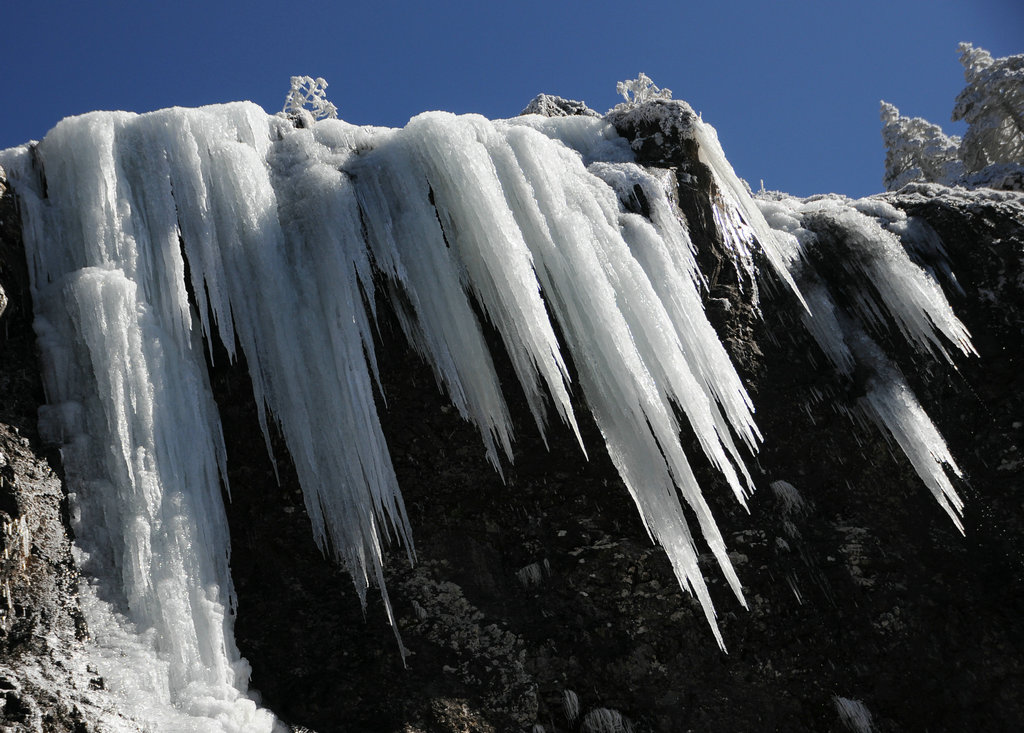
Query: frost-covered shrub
x=639 y=91
x=917 y=150
x=308 y=98
x=992 y=105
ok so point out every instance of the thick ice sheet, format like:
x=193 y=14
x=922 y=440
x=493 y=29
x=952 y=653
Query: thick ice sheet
x=279 y=227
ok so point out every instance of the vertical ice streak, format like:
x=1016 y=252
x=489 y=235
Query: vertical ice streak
x=409 y=244
x=890 y=402
x=665 y=252
x=272 y=232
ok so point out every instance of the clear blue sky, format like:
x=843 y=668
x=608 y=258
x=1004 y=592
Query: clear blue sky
x=792 y=87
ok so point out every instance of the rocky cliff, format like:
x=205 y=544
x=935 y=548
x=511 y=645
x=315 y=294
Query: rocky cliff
x=539 y=599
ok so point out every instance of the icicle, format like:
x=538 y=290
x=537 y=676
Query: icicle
x=890 y=284
x=738 y=216
x=891 y=403
x=440 y=219
x=570 y=707
x=893 y=284
x=854 y=715
x=605 y=720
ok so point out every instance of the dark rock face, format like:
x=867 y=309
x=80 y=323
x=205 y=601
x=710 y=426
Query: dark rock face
x=539 y=599
x=927 y=633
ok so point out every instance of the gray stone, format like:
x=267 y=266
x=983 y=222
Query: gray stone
x=549 y=105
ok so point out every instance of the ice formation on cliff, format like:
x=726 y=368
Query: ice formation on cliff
x=286 y=233
x=881 y=285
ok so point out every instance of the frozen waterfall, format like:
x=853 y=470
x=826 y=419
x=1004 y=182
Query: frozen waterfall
x=147 y=234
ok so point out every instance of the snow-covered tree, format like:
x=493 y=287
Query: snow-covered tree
x=307 y=101
x=991 y=153
x=992 y=105
x=917 y=150
x=640 y=91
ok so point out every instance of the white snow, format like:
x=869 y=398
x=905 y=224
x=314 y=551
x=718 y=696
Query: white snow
x=594 y=138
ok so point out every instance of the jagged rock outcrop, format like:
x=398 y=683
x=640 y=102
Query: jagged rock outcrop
x=545 y=583
x=550 y=105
